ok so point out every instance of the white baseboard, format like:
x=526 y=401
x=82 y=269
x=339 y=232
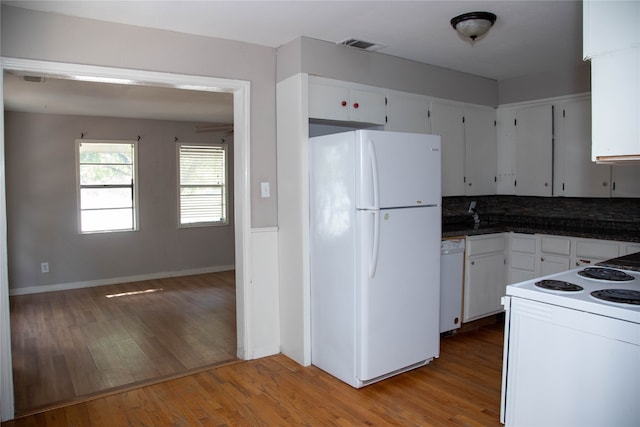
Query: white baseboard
x=116 y=280
x=259 y=353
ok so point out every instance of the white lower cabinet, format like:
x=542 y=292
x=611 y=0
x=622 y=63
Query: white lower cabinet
x=554 y=254
x=493 y=260
x=484 y=282
x=551 y=264
x=522 y=257
x=629 y=248
x=591 y=251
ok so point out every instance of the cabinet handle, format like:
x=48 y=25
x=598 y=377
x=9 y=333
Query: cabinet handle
x=469 y=184
x=605 y=183
x=356 y=105
x=546 y=184
x=343 y=103
x=473 y=263
x=542 y=259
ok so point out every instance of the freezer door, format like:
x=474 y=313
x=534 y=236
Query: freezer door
x=395 y=169
x=397 y=315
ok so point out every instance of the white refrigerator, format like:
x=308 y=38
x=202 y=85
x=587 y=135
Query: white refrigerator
x=375 y=230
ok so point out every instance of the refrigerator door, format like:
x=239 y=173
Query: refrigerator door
x=397 y=314
x=397 y=169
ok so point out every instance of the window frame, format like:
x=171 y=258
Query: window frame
x=134 y=185
x=225 y=186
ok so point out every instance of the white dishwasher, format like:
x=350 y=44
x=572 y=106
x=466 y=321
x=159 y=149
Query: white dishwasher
x=451 y=282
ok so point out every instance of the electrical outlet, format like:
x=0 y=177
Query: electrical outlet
x=44 y=267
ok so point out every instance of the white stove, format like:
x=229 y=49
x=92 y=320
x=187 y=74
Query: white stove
x=586 y=294
x=570 y=357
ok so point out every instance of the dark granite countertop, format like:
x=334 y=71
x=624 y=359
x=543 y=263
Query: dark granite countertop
x=593 y=229
x=626 y=262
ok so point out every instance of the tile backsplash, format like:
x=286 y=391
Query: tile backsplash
x=592 y=212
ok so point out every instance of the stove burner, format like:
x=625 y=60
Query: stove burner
x=608 y=274
x=558 y=285
x=626 y=296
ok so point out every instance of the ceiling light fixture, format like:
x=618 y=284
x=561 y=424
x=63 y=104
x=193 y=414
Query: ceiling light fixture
x=473 y=24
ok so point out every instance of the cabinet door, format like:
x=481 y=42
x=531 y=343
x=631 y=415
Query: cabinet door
x=630 y=248
x=328 y=102
x=550 y=264
x=367 y=107
x=534 y=151
x=517 y=276
x=625 y=180
x=407 y=112
x=575 y=174
x=481 y=151
x=615 y=85
x=341 y=101
x=446 y=121
x=484 y=286
x=609 y=26
x=506 y=116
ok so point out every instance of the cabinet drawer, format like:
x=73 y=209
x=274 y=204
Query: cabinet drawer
x=597 y=249
x=525 y=244
x=485 y=244
x=555 y=245
x=523 y=262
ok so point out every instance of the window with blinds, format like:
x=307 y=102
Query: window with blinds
x=106 y=185
x=202 y=171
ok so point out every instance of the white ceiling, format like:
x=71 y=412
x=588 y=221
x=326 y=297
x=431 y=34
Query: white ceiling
x=529 y=36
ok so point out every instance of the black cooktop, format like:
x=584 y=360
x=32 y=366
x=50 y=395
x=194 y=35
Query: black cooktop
x=558 y=285
x=607 y=274
x=624 y=296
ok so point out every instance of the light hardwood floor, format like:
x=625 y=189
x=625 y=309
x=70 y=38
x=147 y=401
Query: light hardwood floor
x=72 y=344
x=461 y=388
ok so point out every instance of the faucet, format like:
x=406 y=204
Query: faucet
x=472 y=211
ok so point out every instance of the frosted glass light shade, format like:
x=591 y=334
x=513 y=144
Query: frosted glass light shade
x=473 y=24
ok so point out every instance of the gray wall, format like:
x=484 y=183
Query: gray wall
x=42 y=215
x=316 y=57
x=31 y=34
x=346 y=63
x=560 y=82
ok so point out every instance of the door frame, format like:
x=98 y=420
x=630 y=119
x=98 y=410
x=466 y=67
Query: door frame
x=242 y=193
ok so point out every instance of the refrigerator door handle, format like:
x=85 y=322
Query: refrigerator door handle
x=374 y=175
x=376 y=244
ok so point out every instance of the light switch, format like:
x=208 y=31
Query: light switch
x=265 y=190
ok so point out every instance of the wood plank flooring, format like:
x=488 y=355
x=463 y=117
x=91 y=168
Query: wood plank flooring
x=72 y=344
x=461 y=388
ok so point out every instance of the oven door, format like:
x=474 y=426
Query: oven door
x=568 y=367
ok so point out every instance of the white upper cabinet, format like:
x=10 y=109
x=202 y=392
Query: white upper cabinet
x=611 y=36
x=625 y=180
x=615 y=92
x=447 y=121
x=506 y=116
x=407 y=112
x=481 y=151
x=575 y=175
x=609 y=26
x=346 y=102
x=469 y=148
x=534 y=150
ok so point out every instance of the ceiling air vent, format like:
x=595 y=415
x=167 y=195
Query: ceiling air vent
x=361 y=44
x=33 y=79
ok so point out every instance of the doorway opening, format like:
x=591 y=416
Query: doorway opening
x=241 y=214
